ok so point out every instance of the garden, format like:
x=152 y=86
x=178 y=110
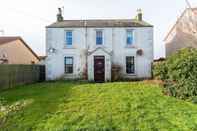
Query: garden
x=167 y=103
x=84 y=106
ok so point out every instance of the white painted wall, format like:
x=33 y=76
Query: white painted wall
x=114 y=41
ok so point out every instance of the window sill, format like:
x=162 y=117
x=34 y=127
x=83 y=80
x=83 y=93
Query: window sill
x=100 y=45
x=68 y=74
x=69 y=47
x=131 y=74
x=130 y=46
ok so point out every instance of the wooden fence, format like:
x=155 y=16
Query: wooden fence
x=13 y=75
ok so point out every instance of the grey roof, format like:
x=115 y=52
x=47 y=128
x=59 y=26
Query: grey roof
x=100 y=23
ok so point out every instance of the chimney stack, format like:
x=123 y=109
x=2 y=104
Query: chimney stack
x=139 y=15
x=59 y=15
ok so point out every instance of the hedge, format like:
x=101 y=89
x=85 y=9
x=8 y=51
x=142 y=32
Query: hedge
x=179 y=73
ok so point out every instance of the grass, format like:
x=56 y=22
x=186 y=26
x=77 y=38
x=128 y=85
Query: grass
x=127 y=106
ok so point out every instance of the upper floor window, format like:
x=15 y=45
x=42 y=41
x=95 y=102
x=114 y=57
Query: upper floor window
x=130 y=64
x=99 y=37
x=68 y=62
x=130 y=37
x=69 y=39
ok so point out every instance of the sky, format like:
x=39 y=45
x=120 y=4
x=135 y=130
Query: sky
x=28 y=18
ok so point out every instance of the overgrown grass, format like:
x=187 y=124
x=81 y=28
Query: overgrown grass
x=81 y=106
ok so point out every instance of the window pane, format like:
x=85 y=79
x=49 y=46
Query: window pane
x=130 y=65
x=129 y=37
x=68 y=64
x=69 y=69
x=69 y=37
x=69 y=60
x=69 y=41
x=99 y=41
x=99 y=33
x=69 y=34
x=99 y=37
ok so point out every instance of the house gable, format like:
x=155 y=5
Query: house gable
x=17 y=51
x=183 y=34
x=176 y=27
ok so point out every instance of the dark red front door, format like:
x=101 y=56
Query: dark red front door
x=99 y=68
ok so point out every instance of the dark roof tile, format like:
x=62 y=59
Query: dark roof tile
x=100 y=23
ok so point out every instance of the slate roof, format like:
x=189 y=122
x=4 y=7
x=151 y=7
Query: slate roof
x=100 y=23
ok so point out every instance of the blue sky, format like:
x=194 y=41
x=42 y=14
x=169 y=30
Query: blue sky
x=28 y=18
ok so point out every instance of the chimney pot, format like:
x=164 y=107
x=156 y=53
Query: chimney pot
x=59 y=15
x=139 y=15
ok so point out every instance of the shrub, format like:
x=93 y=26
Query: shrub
x=160 y=71
x=116 y=75
x=179 y=73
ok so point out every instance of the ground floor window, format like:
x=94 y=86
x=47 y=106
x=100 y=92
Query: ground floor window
x=68 y=61
x=130 y=64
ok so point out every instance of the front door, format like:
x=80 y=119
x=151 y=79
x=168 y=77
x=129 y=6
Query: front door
x=99 y=68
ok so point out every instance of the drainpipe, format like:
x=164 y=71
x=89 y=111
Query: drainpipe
x=86 y=35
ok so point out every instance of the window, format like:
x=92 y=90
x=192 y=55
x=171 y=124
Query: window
x=68 y=65
x=69 y=39
x=129 y=37
x=99 y=37
x=130 y=65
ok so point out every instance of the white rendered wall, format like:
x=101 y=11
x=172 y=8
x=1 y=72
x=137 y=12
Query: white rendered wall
x=85 y=40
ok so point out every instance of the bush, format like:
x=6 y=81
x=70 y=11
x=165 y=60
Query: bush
x=160 y=71
x=179 y=73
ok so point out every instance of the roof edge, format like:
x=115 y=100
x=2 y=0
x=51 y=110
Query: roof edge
x=177 y=21
x=100 y=26
x=27 y=46
x=20 y=38
x=84 y=20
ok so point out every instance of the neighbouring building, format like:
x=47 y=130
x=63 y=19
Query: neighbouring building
x=14 y=50
x=184 y=33
x=89 y=49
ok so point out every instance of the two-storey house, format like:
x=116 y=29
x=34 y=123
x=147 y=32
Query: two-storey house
x=88 y=49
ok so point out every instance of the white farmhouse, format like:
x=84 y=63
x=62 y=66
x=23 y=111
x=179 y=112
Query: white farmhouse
x=88 y=49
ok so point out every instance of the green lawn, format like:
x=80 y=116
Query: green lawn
x=127 y=106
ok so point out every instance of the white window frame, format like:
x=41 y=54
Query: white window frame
x=133 y=44
x=135 y=63
x=72 y=65
x=65 y=42
x=103 y=35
